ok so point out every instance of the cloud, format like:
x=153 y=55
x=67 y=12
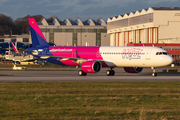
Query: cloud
x=3 y=1
x=158 y=1
x=78 y=8
x=63 y=8
x=88 y=2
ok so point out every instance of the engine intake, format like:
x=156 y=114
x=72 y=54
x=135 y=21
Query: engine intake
x=133 y=69
x=91 y=66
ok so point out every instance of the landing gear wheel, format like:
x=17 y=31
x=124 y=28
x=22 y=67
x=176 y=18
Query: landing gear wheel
x=81 y=73
x=110 y=72
x=154 y=74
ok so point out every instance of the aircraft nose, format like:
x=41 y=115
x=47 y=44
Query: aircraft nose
x=170 y=60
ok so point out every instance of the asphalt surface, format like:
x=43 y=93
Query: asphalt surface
x=71 y=74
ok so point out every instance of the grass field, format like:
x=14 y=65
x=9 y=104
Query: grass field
x=90 y=101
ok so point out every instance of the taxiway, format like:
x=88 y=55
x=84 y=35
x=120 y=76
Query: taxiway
x=68 y=74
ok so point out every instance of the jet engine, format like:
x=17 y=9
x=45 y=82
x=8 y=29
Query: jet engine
x=91 y=66
x=133 y=69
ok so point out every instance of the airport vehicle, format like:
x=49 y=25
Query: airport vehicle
x=92 y=58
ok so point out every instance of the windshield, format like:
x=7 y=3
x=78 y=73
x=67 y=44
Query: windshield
x=161 y=53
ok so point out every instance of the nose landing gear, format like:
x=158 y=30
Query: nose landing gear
x=154 y=74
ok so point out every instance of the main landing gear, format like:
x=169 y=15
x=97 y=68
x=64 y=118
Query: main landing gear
x=110 y=72
x=154 y=74
x=81 y=73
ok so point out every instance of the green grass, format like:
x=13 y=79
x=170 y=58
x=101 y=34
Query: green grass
x=90 y=100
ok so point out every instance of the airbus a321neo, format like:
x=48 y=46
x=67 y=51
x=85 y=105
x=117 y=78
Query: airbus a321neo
x=92 y=58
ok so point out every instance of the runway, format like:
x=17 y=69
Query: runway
x=71 y=75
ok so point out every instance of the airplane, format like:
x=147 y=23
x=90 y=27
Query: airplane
x=20 y=58
x=92 y=58
x=5 y=47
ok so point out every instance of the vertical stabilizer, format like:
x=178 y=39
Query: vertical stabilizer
x=37 y=37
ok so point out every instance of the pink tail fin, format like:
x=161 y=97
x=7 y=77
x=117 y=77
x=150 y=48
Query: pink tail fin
x=37 y=36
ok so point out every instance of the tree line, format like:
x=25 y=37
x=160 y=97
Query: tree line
x=19 y=26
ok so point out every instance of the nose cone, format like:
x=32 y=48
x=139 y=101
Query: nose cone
x=169 y=60
x=165 y=60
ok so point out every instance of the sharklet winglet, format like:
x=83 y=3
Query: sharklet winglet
x=15 y=49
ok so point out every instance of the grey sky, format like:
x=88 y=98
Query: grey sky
x=83 y=9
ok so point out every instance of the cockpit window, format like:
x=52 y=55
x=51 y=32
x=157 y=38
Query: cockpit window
x=161 y=53
x=164 y=53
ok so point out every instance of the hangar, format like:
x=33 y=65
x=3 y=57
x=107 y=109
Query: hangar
x=76 y=33
x=69 y=33
x=153 y=25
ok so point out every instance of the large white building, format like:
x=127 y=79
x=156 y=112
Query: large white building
x=153 y=25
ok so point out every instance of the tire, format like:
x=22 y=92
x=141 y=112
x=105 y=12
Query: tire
x=81 y=73
x=112 y=72
x=108 y=72
x=84 y=74
x=154 y=74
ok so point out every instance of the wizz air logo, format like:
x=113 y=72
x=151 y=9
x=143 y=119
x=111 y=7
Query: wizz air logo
x=61 y=50
x=133 y=53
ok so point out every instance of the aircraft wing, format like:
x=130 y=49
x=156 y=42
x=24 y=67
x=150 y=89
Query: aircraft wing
x=76 y=58
x=66 y=58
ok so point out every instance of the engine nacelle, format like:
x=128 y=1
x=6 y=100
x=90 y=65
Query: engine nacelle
x=91 y=66
x=133 y=69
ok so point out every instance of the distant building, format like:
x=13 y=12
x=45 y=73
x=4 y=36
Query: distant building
x=68 y=33
x=16 y=38
x=76 y=33
x=153 y=25
x=23 y=38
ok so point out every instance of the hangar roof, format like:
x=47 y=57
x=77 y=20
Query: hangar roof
x=138 y=12
x=166 y=8
x=77 y=22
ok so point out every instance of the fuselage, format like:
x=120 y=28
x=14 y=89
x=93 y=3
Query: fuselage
x=109 y=56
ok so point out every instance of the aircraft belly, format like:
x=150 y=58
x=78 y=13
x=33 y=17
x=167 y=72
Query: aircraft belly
x=109 y=62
